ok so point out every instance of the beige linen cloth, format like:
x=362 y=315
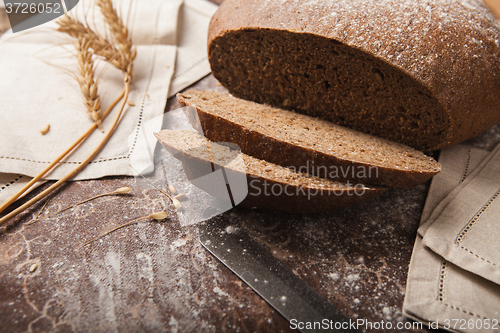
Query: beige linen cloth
x=37 y=89
x=453 y=279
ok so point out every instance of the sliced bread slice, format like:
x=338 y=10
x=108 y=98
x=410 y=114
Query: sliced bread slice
x=308 y=144
x=270 y=186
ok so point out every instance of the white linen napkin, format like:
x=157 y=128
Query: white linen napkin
x=192 y=61
x=447 y=293
x=467 y=230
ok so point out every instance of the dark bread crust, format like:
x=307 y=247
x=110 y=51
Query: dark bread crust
x=303 y=196
x=302 y=203
x=290 y=154
x=444 y=54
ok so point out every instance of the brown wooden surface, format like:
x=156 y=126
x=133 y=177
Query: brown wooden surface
x=156 y=277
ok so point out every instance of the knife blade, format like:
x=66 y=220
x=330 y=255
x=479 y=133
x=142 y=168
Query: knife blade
x=274 y=282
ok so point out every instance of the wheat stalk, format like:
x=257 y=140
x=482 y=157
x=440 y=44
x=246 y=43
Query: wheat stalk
x=160 y=216
x=120 y=191
x=88 y=86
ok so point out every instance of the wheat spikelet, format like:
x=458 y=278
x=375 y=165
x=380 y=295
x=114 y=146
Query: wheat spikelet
x=101 y=46
x=120 y=34
x=88 y=86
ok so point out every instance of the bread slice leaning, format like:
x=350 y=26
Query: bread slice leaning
x=308 y=144
x=270 y=186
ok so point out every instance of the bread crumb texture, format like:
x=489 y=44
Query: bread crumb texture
x=196 y=146
x=423 y=73
x=306 y=143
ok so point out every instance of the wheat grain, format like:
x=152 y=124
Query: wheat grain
x=122 y=190
x=45 y=130
x=180 y=197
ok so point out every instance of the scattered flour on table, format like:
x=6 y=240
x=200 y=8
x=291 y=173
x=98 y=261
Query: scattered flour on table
x=352 y=278
x=178 y=243
x=230 y=229
x=173 y=324
x=387 y=312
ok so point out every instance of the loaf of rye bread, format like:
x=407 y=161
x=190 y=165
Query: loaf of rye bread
x=307 y=144
x=423 y=73
x=269 y=186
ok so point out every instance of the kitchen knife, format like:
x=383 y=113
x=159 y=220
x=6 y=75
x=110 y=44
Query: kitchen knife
x=274 y=282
